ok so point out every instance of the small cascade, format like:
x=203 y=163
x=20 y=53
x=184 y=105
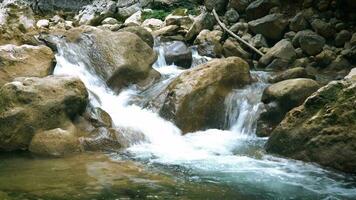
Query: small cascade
x=243 y=106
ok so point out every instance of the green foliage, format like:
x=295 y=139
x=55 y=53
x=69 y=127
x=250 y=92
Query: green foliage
x=156 y=14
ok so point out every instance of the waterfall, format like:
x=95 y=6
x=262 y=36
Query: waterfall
x=232 y=156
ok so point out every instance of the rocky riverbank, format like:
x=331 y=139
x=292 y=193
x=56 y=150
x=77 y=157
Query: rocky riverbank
x=308 y=45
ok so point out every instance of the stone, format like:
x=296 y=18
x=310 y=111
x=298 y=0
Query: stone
x=322 y=130
x=293 y=73
x=25 y=60
x=271 y=26
x=145 y=35
x=42 y=23
x=153 y=24
x=283 y=50
x=170 y=30
x=56 y=142
x=178 y=53
x=232 y=48
x=239 y=26
x=209 y=43
x=298 y=23
x=110 y=21
x=219 y=5
x=323 y=28
x=309 y=41
x=184 y=21
x=280 y=98
x=134 y=20
x=353 y=40
x=39 y=104
x=203 y=21
x=239 y=5
x=132 y=63
x=259 y=41
x=325 y=57
x=232 y=16
x=194 y=100
x=342 y=37
x=260 y=8
x=96 y=12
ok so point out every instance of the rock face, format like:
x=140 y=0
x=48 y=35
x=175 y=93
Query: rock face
x=281 y=97
x=195 y=99
x=141 y=32
x=30 y=105
x=322 y=130
x=132 y=63
x=179 y=54
x=271 y=26
x=25 y=60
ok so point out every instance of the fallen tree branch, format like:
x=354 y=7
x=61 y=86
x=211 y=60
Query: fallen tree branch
x=234 y=35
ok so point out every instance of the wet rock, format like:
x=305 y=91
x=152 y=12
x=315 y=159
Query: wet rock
x=194 y=100
x=298 y=23
x=209 y=43
x=140 y=32
x=322 y=130
x=232 y=48
x=260 y=8
x=283 y=50
x=342 y=37
x=309 y=41
x=271 y=26
x=232 y=15
x=132 y=63
x=25 y=60
x=297 y=72
x=203 y=21
x=96 y=12
x=280 y=98
x=39 y=104
x=56 y=142
x=179 y=54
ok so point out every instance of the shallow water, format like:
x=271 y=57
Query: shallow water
x=208 y=164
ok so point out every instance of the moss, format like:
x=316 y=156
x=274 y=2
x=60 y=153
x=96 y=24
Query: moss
x=156 y=14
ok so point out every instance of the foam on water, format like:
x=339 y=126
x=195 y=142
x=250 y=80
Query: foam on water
x=233 y=156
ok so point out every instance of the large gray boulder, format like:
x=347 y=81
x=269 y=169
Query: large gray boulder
x=94 y=13
x=322 y=130
x=260 y=8
x=309 y=41
x=178 y=53
x=31 y=105
x=283 y=50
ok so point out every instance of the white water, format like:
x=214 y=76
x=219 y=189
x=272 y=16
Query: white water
x=234 y=156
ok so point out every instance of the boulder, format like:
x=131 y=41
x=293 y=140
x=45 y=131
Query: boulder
x=134 y=20
x=203 y=21
x=195 y=99
x=178 y=53
x=110 y=21
x=232 y=48
x=183 y=21
x=297 y=72
x=140 y=32
x=132 y=63
x=153 y=24
x=260 y=8
x=325 y=57
x=31 y=105
x=25 y=60
x=127 y=8
x=322 y=130
x=283 y=50
x=309 y=41
x=281 y=97
x=219 y=5
x=342 y=37
x=259 y=41
x=298 y=23
x=323 y=28
x=96 y=12
x=271 y=26
x=239 y=5
x=232 y=16
x=56 y=142
x=353 y=40
x=42 y=23
x=50 y=6
x=209 y=43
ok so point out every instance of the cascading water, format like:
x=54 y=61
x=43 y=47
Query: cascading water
x=232 y=157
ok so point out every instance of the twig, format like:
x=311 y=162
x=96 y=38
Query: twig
x=234 y=35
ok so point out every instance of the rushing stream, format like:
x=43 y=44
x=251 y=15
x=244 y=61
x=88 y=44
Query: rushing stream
x=231 y=161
